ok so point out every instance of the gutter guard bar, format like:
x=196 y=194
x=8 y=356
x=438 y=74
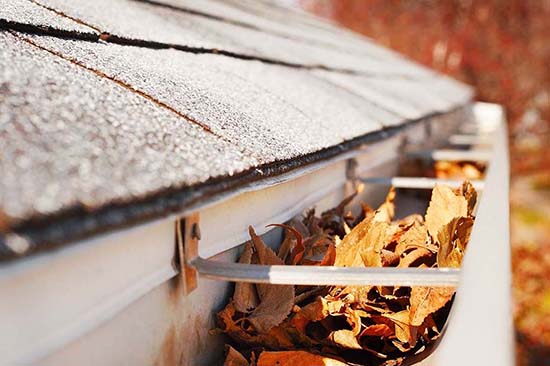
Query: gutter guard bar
x=418 y=182
x=324 y=276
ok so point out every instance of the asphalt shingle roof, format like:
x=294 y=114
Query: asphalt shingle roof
x=116 y=112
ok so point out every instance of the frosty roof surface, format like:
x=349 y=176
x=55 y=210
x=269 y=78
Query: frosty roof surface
x=117 y=112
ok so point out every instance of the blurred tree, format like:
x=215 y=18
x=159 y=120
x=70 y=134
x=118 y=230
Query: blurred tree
x=501 y=47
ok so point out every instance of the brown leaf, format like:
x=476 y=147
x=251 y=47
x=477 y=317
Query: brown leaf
x=345 y=338
x=245 y=297
x=407 y=221
x=452 y=239
x=234 y=358
x=426 y=301
x=377 y=330
x=415 y=236
x=444 y=206
x=297 y=252
x=296 y=358
x=353 y=317
x=404 y=331
x=468 y=191
x=276 y=338
x=330 y=256
x=276 y=301
x=370 y=248
x=346 y=251
x=286 y=245
x=386 y=211
x=388 y=258
x=414 y=256
x=314 y=311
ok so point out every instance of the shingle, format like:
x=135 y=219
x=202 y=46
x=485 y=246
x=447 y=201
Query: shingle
x=272 y=111
x=142 y=21
x=26 y=12
x=71 y=138
x=133 y=20
x=300 y=26
x=99 y=134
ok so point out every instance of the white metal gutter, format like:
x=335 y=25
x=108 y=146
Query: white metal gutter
x=61 y=305
x=480 y=327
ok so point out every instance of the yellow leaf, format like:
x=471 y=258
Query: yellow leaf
x=444 y=206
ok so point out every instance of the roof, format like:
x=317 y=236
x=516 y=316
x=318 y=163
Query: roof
x=115 y=112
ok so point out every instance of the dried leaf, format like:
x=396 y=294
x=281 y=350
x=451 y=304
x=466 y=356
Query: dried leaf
x=345 y=338
x=377 y=330
x=285 y=247
x=426 y=301
x=444 y=206
x=330 y=256
x=386 y=211
x=346 y=252
x=297 y=252
x=296 y=358
x=391 y=323
x=404 y=331
x=315 y=311
x=245 y=297
x=388 y=258
x=415 y=236
x=407 y=221
x=452 y=239
x=370 y=248
x=234 y=358
x=276 y=301
x=414 y=256
x=468 y=191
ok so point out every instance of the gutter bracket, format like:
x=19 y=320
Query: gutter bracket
x=187 y=239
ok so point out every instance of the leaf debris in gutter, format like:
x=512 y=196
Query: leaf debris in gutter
x=358 y=325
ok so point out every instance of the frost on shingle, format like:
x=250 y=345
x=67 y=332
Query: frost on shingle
x=386 y=99
x=152 y=23
x=26 y=12
x=307 y=31
x=274 y=112
x=73 y=139
x=140 y=21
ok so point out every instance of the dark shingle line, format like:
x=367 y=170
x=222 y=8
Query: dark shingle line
x=140 y=93
x=47 y=31
x=250 y=26
x=124 y=41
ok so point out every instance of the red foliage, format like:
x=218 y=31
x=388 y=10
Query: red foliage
x=502 y=47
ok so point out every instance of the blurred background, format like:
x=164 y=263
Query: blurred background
x=502 y=48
